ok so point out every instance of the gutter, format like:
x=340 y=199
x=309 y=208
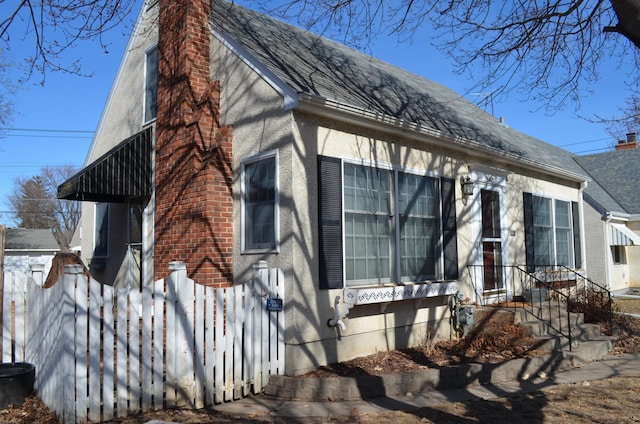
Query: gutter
x=346 y=113
x=31 y=250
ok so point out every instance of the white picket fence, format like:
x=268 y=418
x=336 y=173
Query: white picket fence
x=13 y=322
x=102 y=353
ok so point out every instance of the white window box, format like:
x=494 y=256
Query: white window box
x=383 y=295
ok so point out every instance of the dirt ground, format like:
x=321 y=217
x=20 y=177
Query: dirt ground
x=496 y=338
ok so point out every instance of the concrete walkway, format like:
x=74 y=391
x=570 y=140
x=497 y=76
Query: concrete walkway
x=610 y=366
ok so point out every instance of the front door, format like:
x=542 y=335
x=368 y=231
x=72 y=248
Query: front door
x=491 y=241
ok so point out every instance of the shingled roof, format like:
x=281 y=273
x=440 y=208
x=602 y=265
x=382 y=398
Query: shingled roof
x=24 y=239
x=313 y=65
x=616 y=174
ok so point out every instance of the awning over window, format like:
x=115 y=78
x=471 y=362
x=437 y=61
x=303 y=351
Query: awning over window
x=121 y=174
x=623 y=236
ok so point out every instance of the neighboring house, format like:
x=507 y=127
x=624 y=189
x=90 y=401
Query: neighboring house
x=26 y=247
x=237 y=138
x=612 y=215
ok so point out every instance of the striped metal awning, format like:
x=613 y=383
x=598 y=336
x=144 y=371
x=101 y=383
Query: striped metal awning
x=123 y=173
x=623 y=236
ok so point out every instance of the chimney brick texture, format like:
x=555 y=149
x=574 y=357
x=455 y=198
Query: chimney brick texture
x=194 y=172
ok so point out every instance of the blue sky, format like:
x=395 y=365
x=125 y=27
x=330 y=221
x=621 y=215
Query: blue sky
x=66 y=109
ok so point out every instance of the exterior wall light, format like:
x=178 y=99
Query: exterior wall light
x=467 y=186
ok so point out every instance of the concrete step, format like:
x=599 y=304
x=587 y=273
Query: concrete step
x=545 y=323
x=557 y=317
x=591 y=350
x=579 y=335
x=541 y=328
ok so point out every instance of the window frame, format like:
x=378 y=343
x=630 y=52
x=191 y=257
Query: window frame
x=395 y=215
x=275 y=248
x=618 y=255
x=148 y=118
x=553 y=229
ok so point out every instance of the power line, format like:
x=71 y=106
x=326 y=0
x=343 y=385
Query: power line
x=52 y=136
x=585 y=142
x=36 y=165
x=602 y=149
x=46 y=130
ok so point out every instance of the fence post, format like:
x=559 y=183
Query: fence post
x=32 y=313
x=68 y=366
x=180 y=361
x=259 y=288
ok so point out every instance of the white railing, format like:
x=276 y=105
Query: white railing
x=102 y=353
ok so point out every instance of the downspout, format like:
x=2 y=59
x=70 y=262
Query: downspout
x=583 y=234
x=607 y=249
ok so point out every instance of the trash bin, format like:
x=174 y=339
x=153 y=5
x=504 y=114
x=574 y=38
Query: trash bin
x=16 y=383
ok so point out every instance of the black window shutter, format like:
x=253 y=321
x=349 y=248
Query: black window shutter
x=330 y=222
x=577 y=246
x=529 y=245
x=449 y=228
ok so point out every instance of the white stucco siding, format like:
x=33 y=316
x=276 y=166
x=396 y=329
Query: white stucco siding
x=256 y=111
x=598 y=253
x=121 y=118
x=122 y=115
x=373 y=328
x=260 y=125
x=633 y=256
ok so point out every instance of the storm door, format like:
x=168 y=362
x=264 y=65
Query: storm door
x=493 y=276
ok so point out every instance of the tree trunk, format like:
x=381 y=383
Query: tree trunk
x=628 y=13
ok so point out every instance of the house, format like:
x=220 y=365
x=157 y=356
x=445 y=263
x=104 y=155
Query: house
x=230 y=138
x=612 y=213
x=25 y=247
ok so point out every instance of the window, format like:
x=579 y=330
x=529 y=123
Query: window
x=101 y=231
x=564 y=242
x=367 y=204
x=260 y=203
x=381 y=225
x=618 y=253
x=551 y=232
x=418 y=209
x=151 y=84
x=136 y=211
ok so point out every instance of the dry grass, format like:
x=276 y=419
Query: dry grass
x=629 y=306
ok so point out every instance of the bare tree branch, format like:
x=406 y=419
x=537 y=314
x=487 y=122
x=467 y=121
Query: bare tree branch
x=546 y=50
x=53 y=28
x=35 y=204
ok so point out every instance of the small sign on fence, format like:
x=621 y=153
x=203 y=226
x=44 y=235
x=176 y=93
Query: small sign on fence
x=274 y=304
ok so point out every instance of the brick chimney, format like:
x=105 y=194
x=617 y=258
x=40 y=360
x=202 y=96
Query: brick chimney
x=630 y=143
x=194 y=172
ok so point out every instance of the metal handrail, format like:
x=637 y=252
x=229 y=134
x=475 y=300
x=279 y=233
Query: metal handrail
x=600 y=290
x=556 y=297
x=529 y=281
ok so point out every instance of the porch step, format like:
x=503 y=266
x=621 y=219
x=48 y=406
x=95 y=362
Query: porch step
x=548 y=323
x=557 y=342
x=558 y=317
x=588 y=351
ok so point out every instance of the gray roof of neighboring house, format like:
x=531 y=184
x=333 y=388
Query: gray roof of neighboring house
x=616 y=174
x=314 y=65
x=28 y=239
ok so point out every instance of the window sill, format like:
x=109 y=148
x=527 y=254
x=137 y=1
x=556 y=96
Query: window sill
x=391 y=293
x=269 y=251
